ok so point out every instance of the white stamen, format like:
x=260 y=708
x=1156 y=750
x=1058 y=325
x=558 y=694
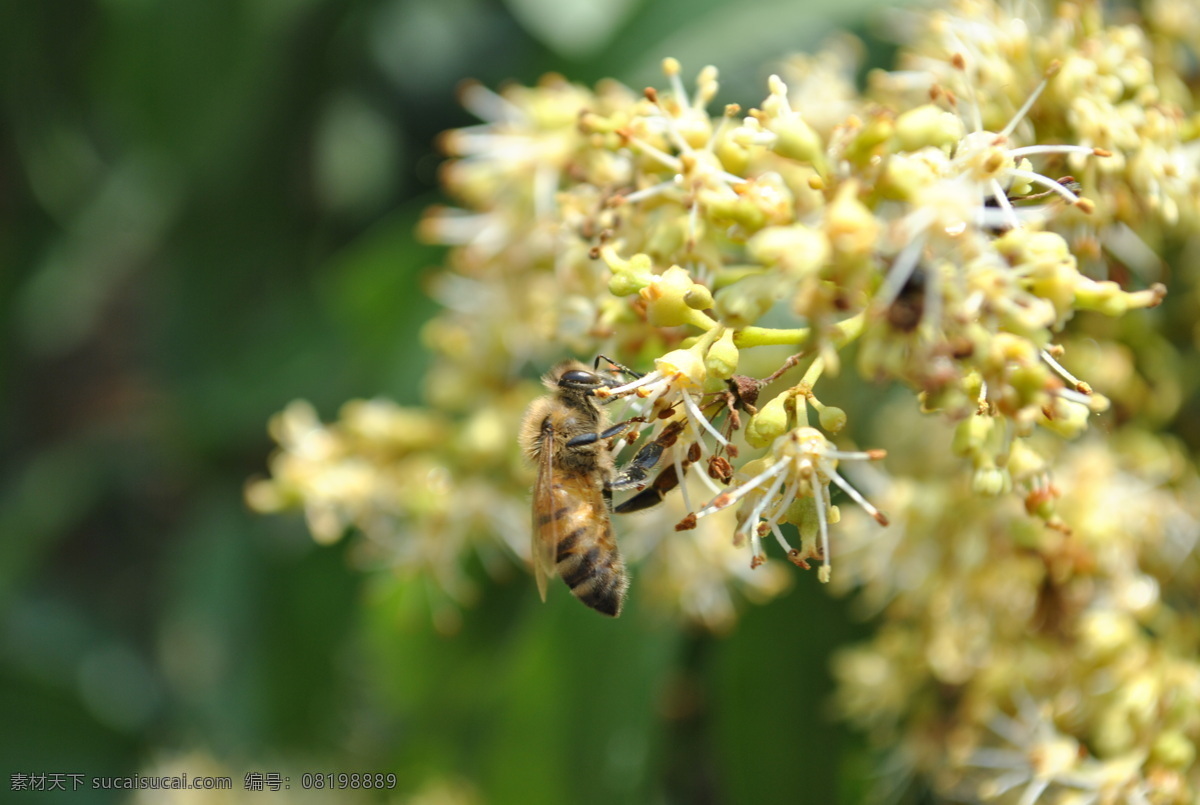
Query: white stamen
x=1058 y=367
x=1071 y=395
x=1020 y=115
x=694 y=411
x=741 y=491
x=819 y=499
x=1045 y=181
x=1005 y=205
x=672 y=162
x=857 y=497
x=680 y=92
x=616 y=391
x=687 y=503
x=757 y=512
x=783 y=543
x=491 y=106
x=1017 y=153
x=648 y=192
x=784 y=502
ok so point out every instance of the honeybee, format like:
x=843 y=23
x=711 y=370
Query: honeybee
x=567 y=436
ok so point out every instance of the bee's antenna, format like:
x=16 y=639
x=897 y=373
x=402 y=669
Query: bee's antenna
x=618 y=366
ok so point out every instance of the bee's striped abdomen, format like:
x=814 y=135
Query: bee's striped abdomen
x=586 y=554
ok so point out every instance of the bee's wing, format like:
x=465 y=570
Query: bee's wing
x=545 y=525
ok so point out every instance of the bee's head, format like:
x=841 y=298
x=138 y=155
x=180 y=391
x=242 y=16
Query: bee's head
x=573 y=376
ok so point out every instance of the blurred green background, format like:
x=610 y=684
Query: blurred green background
x=206 y=211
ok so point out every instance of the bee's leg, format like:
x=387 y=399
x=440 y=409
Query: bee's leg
x=610 y=433
x=634 y=474
x=666 y=480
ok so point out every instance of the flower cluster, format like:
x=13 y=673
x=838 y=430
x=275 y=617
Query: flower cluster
x=1019 y=663
x=940 y=232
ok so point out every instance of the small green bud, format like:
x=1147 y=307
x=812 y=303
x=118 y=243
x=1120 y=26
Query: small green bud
x=698 y=297
x=905 y=175
x=745 y=302
x=1029 y=382
x=928 y=125
x=1173 y=750
x=629 y=276
x=763 y=201
x=832 y=419
x=1047 y=263
x=1107 y=297
x=971 y=435
x=797 y=249
x=851 y=227
x=734 y=156
x=664 y=298
x=991 y=481
x=722 y=358
x=1024 y=461
x=871 y=137
x=795 y=139
x=771 y=421
x=1067 y=419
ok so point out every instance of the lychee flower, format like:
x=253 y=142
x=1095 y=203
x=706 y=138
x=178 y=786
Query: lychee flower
x=966 y=191
x=679 y=136
x=799 y=467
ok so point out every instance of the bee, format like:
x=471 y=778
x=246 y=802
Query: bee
x=567 y=436
x=908 y=308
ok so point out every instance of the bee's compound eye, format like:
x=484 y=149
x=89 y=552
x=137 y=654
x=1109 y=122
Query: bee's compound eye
x=579 y=379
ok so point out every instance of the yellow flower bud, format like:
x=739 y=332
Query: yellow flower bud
x=1029 y=382
x=991 y=481
x=1067 y=419
x=1024 y=461
x=797 y=249
x=905 y=175
x=971 y=435
x=795 y=139
x=1173 y=750
x=927 y=125
x=698 y=297
x=629 y=276
x=832 y=418
x=850 y=226
x=867 y=145
x=733 y=155
x=722 y=358
x=1046 y=260
x=1107 y=297
x=744 y=302
x=664 y=298
x=771 y=421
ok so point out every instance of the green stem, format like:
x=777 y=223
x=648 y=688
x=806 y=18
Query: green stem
x=702 y=320
x=811 y=376
x=840 y=334
x=705 y=341
x=767 y=336
x=848 y=330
